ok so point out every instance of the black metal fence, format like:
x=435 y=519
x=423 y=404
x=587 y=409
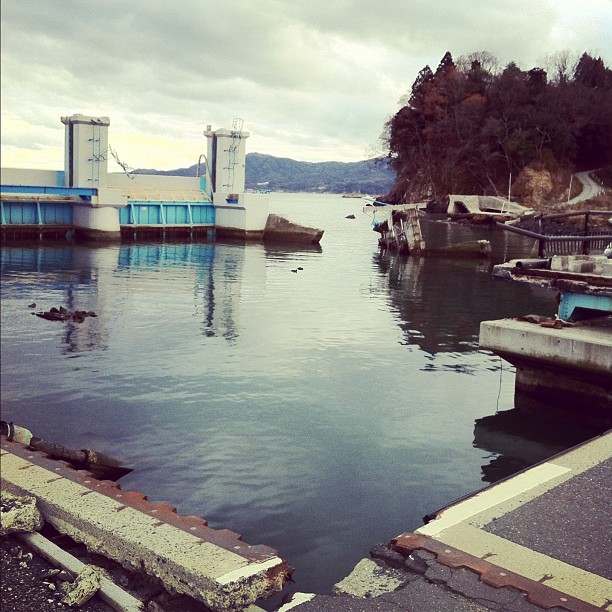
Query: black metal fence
x=584 y=241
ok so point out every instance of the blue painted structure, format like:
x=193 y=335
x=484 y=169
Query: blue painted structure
x=87 y=201
x=44 y=211
x=36 y=212
x=81 y=192
x=575 y=306
x=31 y=210
x=170 y=213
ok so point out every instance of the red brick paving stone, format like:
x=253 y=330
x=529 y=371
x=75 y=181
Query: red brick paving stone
x=197 y=526
x=537 y=593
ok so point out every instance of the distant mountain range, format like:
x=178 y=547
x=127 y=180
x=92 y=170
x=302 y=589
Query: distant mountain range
x=371 y=176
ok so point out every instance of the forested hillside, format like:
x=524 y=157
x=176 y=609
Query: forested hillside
x=282 y=174
x=470 y=126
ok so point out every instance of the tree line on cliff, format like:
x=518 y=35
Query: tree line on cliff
x=470 y=126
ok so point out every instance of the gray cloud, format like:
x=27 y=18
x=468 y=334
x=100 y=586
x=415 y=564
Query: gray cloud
x=313 y=80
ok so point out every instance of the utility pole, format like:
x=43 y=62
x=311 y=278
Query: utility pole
x=509 y=192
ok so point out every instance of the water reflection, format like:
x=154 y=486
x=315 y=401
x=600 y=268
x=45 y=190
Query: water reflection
x=518 y=439
x=58 y=275
x=340 y=399
x=288 y=251
x=85 y=278
x=442 y=301
x=505 y=246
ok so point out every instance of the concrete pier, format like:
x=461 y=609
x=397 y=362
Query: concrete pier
x=548 y=525
x=565 y=362
x=566 y=368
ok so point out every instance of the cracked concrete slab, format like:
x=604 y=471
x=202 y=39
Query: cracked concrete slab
x=368 y=579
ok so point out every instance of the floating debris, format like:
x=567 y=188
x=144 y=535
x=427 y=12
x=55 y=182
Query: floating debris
x=63 y=314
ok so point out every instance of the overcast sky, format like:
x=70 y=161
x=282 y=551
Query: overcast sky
x=313 y=80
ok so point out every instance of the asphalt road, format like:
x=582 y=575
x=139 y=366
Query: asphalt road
x=590 y=188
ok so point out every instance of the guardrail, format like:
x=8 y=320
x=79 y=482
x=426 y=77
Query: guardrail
x=583 y=243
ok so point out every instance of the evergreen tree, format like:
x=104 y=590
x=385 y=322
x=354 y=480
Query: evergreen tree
x=465 y=127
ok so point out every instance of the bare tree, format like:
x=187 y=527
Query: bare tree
x=486 y=60
x=560 y=66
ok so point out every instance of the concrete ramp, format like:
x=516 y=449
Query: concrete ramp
x=469 y=204
x=474 y=204
x=213 y=566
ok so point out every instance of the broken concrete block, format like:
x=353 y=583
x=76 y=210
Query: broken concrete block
x=599 y=261
x=279 y=229
x=84 y=587
x=581 y=266
x=18 y=514
x=559 y=263
x=368 y=579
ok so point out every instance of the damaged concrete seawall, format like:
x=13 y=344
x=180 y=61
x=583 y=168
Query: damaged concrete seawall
x=188 y=557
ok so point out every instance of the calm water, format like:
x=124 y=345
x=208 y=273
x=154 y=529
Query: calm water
x=318 y=412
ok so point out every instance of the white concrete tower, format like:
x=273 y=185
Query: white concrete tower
x=237 y=213
x=226 y=156
x=86 y=151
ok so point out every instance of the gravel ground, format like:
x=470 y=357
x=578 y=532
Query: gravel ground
x=26 y=585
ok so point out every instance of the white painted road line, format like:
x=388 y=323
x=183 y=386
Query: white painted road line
x=491 y=497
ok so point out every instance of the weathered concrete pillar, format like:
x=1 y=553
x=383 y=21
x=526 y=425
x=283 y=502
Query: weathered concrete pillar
x=226 y=158
x=86 y=151
x=100 y=223
x=237 y=214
